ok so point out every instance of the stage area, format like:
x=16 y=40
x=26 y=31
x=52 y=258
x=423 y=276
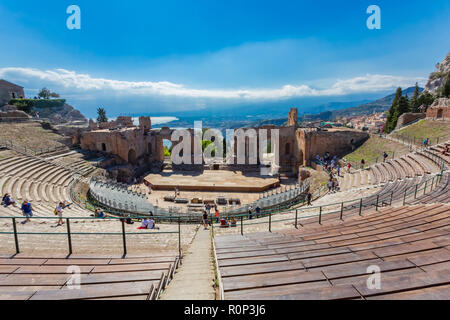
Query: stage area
x=211 y=180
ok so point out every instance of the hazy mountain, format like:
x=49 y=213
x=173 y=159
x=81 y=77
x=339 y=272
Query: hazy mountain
x=332 y=110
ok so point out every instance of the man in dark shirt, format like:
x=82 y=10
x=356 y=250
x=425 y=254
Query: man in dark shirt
x=27 y=211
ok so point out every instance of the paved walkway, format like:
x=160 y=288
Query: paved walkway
x=194 y=279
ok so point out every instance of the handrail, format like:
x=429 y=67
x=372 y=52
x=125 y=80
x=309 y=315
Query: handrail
x=294 y=193
x=27 y=150
x=69 y=233
x=359 y=203
x=413 y=142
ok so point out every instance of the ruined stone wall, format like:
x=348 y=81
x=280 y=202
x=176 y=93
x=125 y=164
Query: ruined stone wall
x=440 y=109
x=408 y=117
x=295 y=147
x=124 y=143
x=9 y=91
x=339 y=142
x=293 y=117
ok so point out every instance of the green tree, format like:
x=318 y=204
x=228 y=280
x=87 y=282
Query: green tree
x=44 y=93
x=166 y=151
x=403 y=105
x=426 y=99
x=101 y=115
x=415 y=99
x=391 y=120
x=47 y=94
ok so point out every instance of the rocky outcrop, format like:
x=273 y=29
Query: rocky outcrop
x=436 y=79
x=8 y=107
x=64 y=114
x=441 y=102
x=14 y=114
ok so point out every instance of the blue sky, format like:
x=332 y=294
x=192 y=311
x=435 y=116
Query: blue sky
x=166 y=56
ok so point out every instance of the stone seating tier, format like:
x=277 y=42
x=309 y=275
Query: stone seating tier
x=408 y=244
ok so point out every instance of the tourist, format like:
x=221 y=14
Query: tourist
x=177 y=192
x=224 y=223
x=27 y=211
x=250 y=212
x=58 y=212
x=217 y=214
x=335 y=185
x=385 y=155
x=127 y=220
x=425 y=142
x=233 y=222
x=205 y=220
x=99 y=213
x=348 y=167
x=8 y=201
x=144 y=224
x=308 y=198
x=151 y=224
x=330 y=185
x=338 y=169
x=363 y=162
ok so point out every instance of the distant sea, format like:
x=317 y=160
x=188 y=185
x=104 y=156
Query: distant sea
x=156 y=121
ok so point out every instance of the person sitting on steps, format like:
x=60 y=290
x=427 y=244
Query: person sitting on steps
x=7 y=201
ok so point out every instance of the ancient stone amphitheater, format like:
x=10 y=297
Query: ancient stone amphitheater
x=392 y=216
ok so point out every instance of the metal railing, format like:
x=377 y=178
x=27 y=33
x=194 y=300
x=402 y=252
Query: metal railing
x=8 y=144
x=31 y=153
x=292 y=196
x=357 y=206
x=414 y=142
x=68 y=233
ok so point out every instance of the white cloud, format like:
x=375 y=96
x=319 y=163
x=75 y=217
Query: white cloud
x=71 y=82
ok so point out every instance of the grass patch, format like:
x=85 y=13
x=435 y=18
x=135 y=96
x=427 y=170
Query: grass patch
x=426 y=128
x=372 y=151
x=216 y=274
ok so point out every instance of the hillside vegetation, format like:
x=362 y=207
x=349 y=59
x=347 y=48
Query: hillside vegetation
x=372 y=151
